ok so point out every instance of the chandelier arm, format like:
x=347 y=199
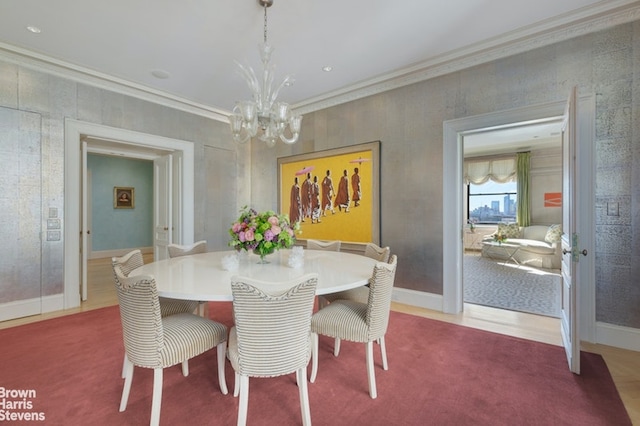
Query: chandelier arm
x=289 y=141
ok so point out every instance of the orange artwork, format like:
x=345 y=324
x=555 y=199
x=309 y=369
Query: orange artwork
x=553 y=199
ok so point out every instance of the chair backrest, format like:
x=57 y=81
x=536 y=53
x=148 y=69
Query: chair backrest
x=380 y=290
x=142 y=329
x=323 y=245
x=128 y=262
x=176 y=250
x=381 y=254
x=273 y=331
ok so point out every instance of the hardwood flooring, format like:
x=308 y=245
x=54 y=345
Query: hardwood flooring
x=624 y=365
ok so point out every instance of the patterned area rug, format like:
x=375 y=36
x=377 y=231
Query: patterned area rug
x=508 y=286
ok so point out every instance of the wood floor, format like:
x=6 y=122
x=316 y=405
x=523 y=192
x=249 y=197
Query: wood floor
x=624 y=365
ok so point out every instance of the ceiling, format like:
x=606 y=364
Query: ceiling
x=371 y=45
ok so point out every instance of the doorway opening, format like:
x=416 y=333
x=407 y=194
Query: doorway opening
x=76 y=134
x=506 y=276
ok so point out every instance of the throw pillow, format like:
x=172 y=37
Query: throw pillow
x=509 y=230
x=554 y=234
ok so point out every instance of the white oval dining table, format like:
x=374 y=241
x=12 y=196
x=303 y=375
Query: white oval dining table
x=203 y=276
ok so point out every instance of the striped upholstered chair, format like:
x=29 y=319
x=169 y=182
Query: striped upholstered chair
x=133 y=260
x=176 y=250
x=271 y=336
x=359 y=322
x=152 y=341
x=359 y=294
x=323 y=245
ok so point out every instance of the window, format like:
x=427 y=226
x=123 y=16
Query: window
x=492 y=202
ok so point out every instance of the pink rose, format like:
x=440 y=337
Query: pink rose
x=241 y=237
x=273 y=220
x=236 y=227
x=276 y=229
x=248 y=234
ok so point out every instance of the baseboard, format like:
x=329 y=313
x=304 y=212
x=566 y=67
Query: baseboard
x=29 y=307
x=53 y=303
x=20 y=308
x=618 y=336
x=417 y=298
x=117 y=253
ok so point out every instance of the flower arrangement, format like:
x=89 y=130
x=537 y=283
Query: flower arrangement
x=472 y=225
x=263 y=233
x=499 y=238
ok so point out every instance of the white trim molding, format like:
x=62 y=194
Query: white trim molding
x=417 y=298
x=618 y=336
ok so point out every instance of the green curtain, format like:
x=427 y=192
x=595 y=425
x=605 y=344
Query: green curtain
x=523 y=209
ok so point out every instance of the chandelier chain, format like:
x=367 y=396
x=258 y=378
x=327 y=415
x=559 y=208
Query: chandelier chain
x=265 y=23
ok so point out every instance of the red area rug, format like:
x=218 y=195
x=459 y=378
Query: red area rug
x=439 y=374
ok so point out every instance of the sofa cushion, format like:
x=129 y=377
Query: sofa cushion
x=535 y=232
x=509 y=230
x=554 y=234
x=534 y=246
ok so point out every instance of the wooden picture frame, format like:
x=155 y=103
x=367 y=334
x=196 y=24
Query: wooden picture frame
x=123 y=197
x=356 y=220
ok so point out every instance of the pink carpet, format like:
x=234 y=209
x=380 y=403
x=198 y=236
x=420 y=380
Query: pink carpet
x=439 y=374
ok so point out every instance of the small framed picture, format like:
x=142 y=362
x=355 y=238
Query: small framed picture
x=123 y=197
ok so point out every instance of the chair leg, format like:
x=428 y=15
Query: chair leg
x=371 y=373
x=222 y=380
x=156 y=399
x=185 y=368
x=128 y=378
x=336 y=347
x=244 y=400
x=314 y=357
x=236 y=385
x=124 y=366
x=301 y=375
x=383 y=352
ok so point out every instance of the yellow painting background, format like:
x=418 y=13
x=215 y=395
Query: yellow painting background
x=355 y=225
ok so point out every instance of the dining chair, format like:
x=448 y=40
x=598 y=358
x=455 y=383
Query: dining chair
x=133 y=260
x=271 y=336
x=323 y=245
x=177 y=250
x=153 y=341
x=359 y=294
x=359 y=322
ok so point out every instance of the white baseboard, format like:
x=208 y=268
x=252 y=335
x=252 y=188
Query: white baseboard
x=29 y=307
x=53 y=303
x=618 y=336
x=117 y=253
x=417 y=298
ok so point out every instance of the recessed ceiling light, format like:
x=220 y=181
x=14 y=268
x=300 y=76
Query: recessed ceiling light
x=34 y=30
x=327 y=68
x=161 y=74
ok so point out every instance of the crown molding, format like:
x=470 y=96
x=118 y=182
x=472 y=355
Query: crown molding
x=42 y=63
x=602 y=16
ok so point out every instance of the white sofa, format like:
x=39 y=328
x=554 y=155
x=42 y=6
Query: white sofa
x=539 y=245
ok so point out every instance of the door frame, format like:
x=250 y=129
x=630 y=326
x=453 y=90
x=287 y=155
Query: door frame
x=74 y=131
x=453 y=221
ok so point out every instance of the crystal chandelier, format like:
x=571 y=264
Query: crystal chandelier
x=263 y=116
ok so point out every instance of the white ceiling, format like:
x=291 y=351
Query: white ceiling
x=367 y=42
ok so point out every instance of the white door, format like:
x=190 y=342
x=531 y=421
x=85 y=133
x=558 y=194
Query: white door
x=177 y=197
x=84 y=229
x=162 y=214
x=569 y=314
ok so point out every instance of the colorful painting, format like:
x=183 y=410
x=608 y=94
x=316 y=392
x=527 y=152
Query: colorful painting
x=333 y=194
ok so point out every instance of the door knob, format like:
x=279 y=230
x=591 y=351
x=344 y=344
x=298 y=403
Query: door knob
x=583 y=252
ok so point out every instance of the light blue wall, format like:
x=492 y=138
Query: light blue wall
x=120 y=228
